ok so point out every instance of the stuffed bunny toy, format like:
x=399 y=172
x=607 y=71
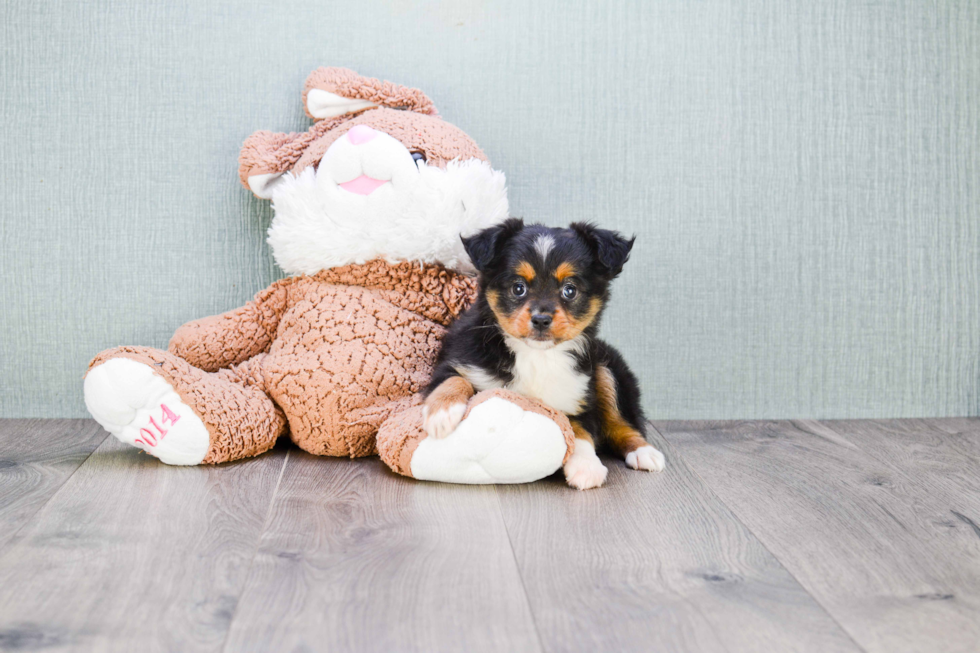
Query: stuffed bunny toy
x=370 y=205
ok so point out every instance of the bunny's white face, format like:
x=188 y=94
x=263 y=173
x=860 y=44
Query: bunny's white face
x=365 y=161
x=370 y=197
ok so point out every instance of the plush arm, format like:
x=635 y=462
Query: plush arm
x=503 y=438
x=224 y=340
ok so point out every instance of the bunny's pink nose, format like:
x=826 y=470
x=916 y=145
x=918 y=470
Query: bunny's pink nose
x=361 y=134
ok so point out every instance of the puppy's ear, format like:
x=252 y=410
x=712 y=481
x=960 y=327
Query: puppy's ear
x=485 y=246
x=609 y=247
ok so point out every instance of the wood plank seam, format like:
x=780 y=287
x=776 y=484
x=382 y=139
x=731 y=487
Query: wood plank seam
x=520 y=574
x=340 y=562
x=676 y=452
x=255 y=552
x=29 y=521
x=864 y=510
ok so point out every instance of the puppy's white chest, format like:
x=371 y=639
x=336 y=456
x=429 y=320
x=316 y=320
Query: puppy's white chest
x=549 y=375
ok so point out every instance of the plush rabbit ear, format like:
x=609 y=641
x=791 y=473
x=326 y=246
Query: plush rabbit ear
x=266 y=156
x=263 y=185
x=331 y=92
x=324 y=104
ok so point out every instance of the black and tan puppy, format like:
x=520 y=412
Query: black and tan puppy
x=533 y=330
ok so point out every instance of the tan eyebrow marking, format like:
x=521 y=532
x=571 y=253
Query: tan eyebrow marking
x=564 y=271
x=526 y=270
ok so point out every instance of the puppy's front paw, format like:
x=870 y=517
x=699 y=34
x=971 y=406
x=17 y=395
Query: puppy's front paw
x=585 y=472
x=441 y=422
x=646 y=458
x=445 y=407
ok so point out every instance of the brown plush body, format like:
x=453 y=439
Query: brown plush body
x=331 y=356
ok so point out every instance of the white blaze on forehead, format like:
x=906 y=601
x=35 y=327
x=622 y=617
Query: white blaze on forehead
x=543 y=245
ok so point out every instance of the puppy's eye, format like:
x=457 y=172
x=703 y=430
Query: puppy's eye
x=418 y=156
x=519 y=289
x=569 y=292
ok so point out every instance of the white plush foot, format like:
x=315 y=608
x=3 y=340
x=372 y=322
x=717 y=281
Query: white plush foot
x=584 y=470
x=141 y=409
x=498 y=442
x=646 y=458
x=444 y=421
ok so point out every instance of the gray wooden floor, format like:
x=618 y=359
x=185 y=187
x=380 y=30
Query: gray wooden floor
x=760 y=536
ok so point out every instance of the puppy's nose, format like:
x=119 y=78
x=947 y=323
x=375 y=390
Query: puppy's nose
x=361 y=134
x=541 y=321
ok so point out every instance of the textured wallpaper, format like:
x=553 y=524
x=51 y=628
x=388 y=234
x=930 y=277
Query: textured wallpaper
x=803 y=178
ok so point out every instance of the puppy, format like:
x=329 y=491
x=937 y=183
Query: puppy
x=533 y=330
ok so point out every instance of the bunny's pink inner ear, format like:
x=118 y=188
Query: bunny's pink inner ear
x=331 y=92
x=324 y=104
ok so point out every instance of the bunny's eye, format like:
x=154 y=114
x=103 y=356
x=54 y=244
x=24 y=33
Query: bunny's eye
x=418 y=156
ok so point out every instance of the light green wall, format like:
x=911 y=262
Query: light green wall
x=803 y=178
